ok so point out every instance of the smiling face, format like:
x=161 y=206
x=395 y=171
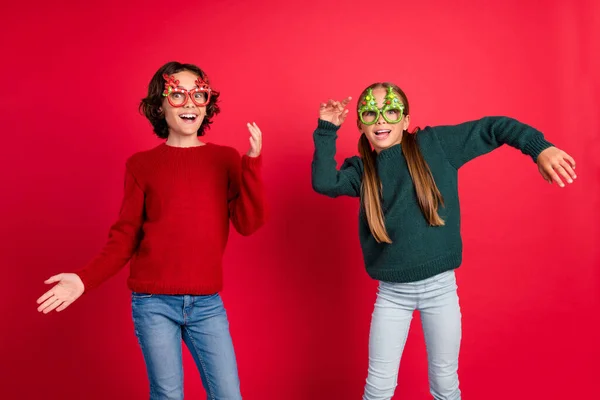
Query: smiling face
x=382 y=125
x=184 y=120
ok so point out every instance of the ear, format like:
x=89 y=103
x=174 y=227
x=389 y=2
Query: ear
x=406 y=122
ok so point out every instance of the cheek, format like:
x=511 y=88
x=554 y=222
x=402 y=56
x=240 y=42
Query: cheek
x=370 y=135
x=170 y=116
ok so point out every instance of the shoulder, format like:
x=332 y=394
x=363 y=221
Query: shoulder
x=430 y=141
x=355 y=163
x=226 y=153
x=429 y=136
x=143 y=157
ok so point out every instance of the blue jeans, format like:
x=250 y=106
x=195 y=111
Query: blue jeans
x=437 y=300
x=163 y=321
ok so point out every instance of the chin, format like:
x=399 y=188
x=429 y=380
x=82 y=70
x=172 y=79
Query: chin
x=389 y=142
x=381 y=144
x=188 y=131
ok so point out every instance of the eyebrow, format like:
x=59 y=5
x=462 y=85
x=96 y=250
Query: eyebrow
x=181 y=87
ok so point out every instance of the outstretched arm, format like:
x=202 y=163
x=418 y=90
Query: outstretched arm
x=122 y=243
x=466 y=141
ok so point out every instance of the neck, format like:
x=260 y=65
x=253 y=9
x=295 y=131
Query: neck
x=380 y=149
x=175 y=140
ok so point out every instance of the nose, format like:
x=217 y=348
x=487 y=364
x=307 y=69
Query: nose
x=381 y=120
x=189 y=103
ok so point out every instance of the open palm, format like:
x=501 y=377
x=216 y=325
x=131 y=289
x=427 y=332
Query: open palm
x=69 y=288
x=255 y=140
x=334 y=111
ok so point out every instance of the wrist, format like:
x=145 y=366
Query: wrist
x=327 y=125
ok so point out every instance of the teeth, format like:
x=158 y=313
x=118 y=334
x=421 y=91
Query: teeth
x=187 y=116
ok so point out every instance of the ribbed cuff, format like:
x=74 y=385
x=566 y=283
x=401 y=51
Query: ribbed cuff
x=251 y=162
x=88 y=283
x=327 y=127
x=536 y=146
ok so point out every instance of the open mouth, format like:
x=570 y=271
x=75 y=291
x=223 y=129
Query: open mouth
x=382 y=134
x=188 y=118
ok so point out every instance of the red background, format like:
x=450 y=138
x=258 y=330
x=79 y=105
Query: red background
x=297 y=294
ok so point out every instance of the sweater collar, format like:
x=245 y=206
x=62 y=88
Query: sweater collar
x=391 y=152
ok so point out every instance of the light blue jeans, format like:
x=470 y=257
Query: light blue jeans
x=437 y=300
x=163 y=321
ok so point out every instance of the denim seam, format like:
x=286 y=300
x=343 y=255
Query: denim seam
x=137 y=334
x=210 y=389
x=405 y=339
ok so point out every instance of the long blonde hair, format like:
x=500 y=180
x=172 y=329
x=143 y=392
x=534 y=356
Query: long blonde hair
x=428 y=194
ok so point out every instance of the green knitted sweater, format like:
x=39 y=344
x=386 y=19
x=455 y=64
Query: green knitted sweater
x=418 y=250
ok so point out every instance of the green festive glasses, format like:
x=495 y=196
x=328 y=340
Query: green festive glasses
x=392 y=110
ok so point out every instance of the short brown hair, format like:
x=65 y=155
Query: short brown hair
x=151 y=104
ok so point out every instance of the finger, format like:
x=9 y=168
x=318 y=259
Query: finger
x=64 y=305
x=546 y=176
x=47 y=303
x=344 y=115
x=346 y=101
x=254 y=135
x=53 y=306
x=554 y=176
x=563 y=173
x=54 y=278
x=255 y=129
x=258 y=141
x=329 y=106
x=258 y=130
x=45 y=296
x=570 y=159
x=569 y=170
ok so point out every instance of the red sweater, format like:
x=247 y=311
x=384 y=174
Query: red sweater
x=174 y=220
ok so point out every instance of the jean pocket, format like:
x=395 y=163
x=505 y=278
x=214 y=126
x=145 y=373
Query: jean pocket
x=137 y=295
x=445 y=278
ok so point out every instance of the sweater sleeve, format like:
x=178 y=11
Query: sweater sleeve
x=466 y=141
x=123 y=238
x=247 y=205
x=326 y=178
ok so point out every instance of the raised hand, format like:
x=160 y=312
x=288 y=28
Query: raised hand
x=334 y=111
x=555 y=164
x=255 y=140
x=69 y=288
